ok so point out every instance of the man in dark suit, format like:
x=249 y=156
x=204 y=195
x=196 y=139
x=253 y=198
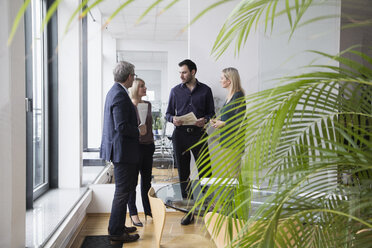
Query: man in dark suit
x=120 y=144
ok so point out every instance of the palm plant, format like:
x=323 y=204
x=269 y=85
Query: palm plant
x=309 y=143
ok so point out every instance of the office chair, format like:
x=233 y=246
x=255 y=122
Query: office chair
x=220 y=237
x=163 y=157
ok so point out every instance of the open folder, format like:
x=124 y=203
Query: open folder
x=187 y=119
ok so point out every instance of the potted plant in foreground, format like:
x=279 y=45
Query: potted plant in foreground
x=308 y=142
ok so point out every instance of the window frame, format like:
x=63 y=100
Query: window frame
x=49 y=91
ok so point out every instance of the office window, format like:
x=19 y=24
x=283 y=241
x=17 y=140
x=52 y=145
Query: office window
x=40 y=92
x=40 y=99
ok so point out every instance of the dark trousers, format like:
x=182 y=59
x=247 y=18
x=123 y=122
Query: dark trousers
x=125 y=182
x=145 y=168
x=183 y=138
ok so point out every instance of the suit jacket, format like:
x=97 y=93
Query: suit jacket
x=120 y=135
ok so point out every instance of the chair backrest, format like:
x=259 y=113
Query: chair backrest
x=158 y=215
x=220 y=237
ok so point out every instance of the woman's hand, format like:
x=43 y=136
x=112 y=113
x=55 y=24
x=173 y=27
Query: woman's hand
x=217 y=123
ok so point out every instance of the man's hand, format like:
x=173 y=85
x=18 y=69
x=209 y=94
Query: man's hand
x=142 y=128
x=176 y=122
x=200 y=122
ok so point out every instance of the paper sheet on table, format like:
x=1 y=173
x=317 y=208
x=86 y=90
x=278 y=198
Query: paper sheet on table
x=142 y=111
x=187 y=119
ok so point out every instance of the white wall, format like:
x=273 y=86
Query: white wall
x=12 y=129
x=101 y=62
x=264 y=56
x=279 y=56
x=70 y=133
x=94 y=79
x=202 y=37
x=108 y=64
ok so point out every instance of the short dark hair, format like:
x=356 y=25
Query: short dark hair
x=122 y=71
x=191 y=65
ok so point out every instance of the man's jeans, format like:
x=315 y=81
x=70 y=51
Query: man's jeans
x=125 y=182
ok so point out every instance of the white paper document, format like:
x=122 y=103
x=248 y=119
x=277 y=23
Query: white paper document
x=187 y=119
x=142 y=112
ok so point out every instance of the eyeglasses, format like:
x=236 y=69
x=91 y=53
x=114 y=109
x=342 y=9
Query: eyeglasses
x=134 y=75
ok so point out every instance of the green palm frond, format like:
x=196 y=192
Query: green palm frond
x=248 y=14
x=168 y=6
x=17 y=19
x=308 y=145
x=153 y=5
x=117 y=11
x=76 y=12
x=51 y=10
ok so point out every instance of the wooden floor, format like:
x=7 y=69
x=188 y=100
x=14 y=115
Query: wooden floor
x=96 y=224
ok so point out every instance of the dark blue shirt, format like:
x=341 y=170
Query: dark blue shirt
x=182 y=101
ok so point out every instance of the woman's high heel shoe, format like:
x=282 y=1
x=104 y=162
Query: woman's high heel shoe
x=148 y=215
x=136 y=223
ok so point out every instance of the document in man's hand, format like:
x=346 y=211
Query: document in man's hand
x=187 y=119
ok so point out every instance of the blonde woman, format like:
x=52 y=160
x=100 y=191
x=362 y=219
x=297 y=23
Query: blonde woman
x=147 y=148
x=234 y=104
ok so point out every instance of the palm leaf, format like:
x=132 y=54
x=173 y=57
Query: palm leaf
x=303 y=137
x=153 y=5
x=18 y=18
x=122 y=6
x=77 y=10
x=168 y=6
x=52 y=9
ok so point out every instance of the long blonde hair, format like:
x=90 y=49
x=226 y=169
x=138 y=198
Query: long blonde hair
x=133 y=91
x=232 y=74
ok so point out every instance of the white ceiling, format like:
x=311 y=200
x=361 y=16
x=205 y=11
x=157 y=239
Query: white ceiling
x=164 y=27
x=153 y=57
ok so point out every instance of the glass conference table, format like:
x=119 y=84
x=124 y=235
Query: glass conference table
x=171 y=195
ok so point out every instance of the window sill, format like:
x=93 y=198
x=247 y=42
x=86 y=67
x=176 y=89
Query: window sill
x=52 y=208
x=48 y=213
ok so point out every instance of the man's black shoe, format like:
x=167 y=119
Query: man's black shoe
x=187 y=219
x=130 y=229
x=124 y=238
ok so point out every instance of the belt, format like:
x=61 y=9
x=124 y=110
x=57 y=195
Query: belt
x=190 y=129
